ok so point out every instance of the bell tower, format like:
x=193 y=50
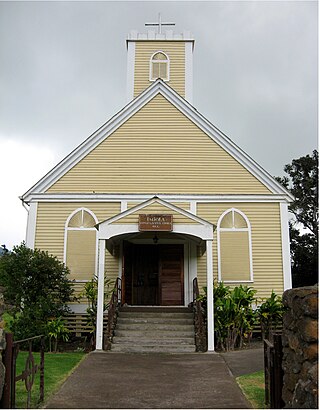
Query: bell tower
x=160 y=53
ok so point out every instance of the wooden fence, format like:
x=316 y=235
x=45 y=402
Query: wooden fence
x=77 y=323
x=273 y=371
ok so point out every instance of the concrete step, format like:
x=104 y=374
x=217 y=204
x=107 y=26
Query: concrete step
x=142 y=329
x=156 y=320
x=152 y=333
x=154 y=326
x=169 y=315
x=157 y=309
x=148 y=341
x=152 y=348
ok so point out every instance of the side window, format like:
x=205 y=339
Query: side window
x=159 y=66
x=234 y=247
x=80 y=244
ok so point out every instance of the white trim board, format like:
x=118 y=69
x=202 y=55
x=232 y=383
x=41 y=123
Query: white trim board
x=31 y=225
x=130 y=70
x=285 y=241
x=188 y=92
x=158 y=87
x=94 y=197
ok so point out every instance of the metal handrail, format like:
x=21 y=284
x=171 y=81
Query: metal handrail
x=199 y=324
x=115 y=300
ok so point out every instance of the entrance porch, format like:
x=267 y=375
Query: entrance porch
x=157 y=267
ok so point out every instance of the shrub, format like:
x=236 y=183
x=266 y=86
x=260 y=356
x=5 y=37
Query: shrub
x=90 y=292
x=56 y=329
x=233 y=314
x=235 y=317
x=36 y=285
x=270 y=314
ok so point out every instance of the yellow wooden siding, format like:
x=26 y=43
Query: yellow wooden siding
x=235 y=261
x=266 y=244
x=81 y=254
x=182 y=205
x=155 y=208
x=159 y=150
x=79 y=293
x=78 y=288
x=111 y=267
x=51 y=219
x=176 y=53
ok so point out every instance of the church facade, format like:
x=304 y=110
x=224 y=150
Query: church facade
x=158 y=196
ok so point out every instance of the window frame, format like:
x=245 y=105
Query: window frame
x=167 y=62
x=67 y=228
x=233 y=229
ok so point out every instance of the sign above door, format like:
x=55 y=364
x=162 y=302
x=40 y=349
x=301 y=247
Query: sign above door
x=155 y=222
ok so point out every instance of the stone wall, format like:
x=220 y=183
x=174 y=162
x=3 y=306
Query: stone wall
x=300 y=348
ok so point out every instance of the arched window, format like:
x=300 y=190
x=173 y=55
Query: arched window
x=81 y=244
x=234 y=247
x=159 y=66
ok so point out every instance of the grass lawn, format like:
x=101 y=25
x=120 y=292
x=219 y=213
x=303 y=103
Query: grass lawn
x=252 y=386
x=57 y=366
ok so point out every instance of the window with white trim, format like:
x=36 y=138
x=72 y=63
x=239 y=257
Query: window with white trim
x=81 y=244
x=159 y=66
x=234 y=247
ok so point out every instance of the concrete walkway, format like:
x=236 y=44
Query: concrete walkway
x=244 y=361
x=124 y=380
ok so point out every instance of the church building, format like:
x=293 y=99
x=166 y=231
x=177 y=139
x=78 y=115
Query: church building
x=159 y=196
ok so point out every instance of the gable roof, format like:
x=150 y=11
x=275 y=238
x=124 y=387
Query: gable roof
x=158 y=87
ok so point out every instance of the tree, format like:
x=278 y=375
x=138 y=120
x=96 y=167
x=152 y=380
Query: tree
x=303 y=184
x=36 y=285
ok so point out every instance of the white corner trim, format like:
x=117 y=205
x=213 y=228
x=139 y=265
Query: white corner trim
x=189 y=72
x=130 y=70
x=285 y=241
x=31 y=225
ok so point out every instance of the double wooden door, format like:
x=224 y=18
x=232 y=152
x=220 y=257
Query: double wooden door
x=153 y=275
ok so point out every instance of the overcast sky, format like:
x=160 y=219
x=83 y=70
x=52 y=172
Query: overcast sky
x=63 y=74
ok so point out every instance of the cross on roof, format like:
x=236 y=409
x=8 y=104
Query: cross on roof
x=160 y=24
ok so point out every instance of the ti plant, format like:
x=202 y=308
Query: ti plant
x=269 y=314
x=90 y=292
x=57 y=330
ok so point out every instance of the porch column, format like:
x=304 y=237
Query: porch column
x=210 y=312
x=100 y=302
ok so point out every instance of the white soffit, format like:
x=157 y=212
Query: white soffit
x=158 y=87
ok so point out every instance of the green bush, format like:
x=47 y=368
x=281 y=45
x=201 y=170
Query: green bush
x=56 y=329
x=235 y=317
x=269 y=315
x=36 y=285
x=90 y=292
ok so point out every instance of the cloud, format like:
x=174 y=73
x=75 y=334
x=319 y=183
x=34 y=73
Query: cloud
x=21 y=165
